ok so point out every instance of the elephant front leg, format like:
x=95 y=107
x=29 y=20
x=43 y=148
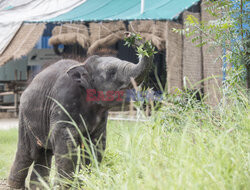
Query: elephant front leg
x=23 y=160
x=100 y=145
x=96 y=147
x=41 y=169
x=65 y=143
x=19 y=169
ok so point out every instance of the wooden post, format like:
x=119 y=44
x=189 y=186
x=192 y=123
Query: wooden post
x=211 y=64
x=16 y=103
x=15 y=75
x=131 y=108
x=192 y=59
x=15 y=93
x=174 y=48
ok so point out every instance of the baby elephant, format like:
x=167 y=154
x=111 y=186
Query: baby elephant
x=86 y=91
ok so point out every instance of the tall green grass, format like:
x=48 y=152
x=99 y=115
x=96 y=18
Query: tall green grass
x=185 y=145
x=8 y=146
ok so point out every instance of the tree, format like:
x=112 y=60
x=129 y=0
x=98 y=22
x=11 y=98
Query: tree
x=229 y=30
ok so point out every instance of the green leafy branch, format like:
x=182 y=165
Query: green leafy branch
x=225 y=31
x=143 y=48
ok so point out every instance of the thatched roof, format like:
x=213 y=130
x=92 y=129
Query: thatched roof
x=23 y=42
x=105 y=34
x=151 y=30
x=68 y=34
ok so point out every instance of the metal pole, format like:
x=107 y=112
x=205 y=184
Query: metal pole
x=142 y=6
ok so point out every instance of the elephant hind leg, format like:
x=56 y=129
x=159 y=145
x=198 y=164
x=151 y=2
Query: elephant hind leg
x=41 y=168
x=19 y=170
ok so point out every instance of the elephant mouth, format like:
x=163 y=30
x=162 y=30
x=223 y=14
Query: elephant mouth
x=127 y=87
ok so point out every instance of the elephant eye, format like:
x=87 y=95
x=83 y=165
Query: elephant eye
x=111 y=73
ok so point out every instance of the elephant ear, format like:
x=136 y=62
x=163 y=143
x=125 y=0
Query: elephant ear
x=80 y=75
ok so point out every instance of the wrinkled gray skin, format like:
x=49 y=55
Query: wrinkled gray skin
x=41 y=135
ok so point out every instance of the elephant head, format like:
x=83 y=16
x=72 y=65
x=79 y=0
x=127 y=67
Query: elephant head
x=102 y=75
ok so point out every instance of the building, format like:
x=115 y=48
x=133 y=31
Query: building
x=98 y=26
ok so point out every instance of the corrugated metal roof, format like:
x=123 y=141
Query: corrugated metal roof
x=106 y=10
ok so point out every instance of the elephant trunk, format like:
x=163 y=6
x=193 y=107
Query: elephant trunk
x=140 y=70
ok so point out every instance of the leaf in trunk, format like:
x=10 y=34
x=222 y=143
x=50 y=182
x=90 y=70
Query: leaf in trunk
x=143 y=48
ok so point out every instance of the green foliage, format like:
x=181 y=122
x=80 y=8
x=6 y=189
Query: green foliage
x=143 y=48
x=229 y=30
x=131 y=39
x=8 y=145
x=184 y=145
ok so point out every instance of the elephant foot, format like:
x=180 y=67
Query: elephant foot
x=36 y=187
x=14 y=184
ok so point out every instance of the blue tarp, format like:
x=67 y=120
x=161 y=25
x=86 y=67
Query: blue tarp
x=108 y=10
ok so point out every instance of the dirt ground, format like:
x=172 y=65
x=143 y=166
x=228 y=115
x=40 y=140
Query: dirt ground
x=3 y=185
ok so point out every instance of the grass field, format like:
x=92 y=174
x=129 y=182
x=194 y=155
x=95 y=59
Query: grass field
x=184 y=146
x=8 y=145
x=141 y=156
x=144 y=157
